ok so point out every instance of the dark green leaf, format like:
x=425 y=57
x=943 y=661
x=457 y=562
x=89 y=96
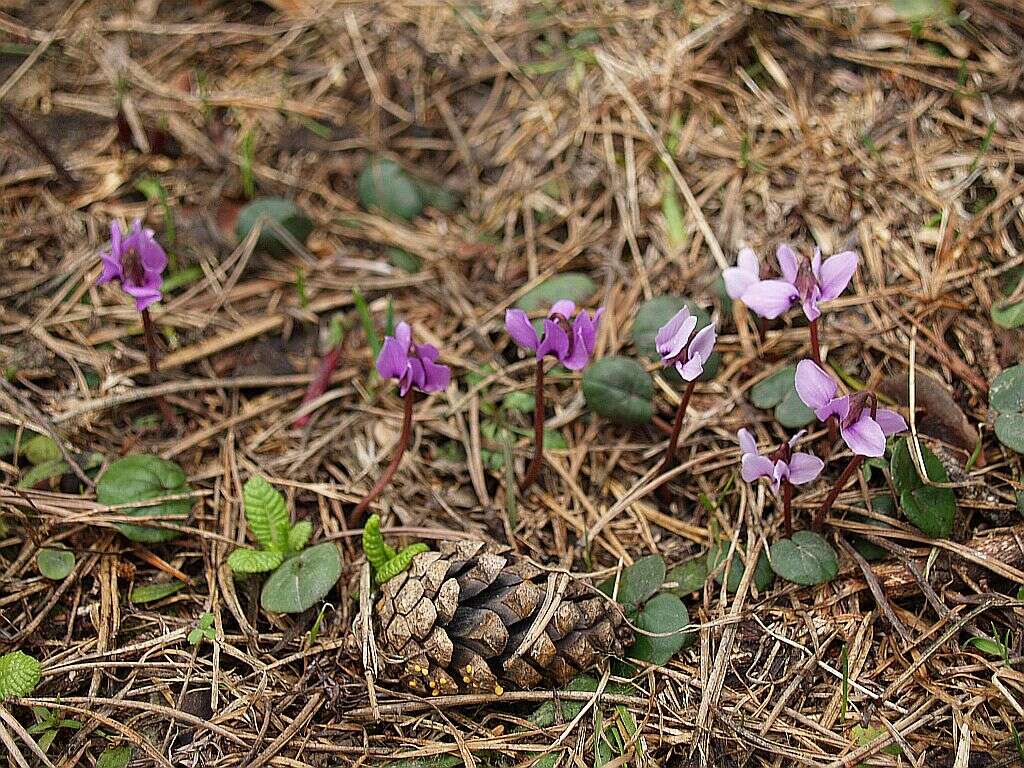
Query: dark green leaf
x=664 y=613
x=792 y=413
x=620 y=390
x=405 y=261
x=303 y=580
x=1008 y=314
x=55 y=562
x=570 y=285
x=384 y=186
x=148 y=593
x=273 y=209
x=763 y=576
x=638 y=581
x=880 y=505
x=805 y=559
x=8 y=438
x=115 y=757
x=41 y=449
x=1006 y=394
x=931 y=509
x=44 y=471
x=139 y=478
x=769 y=392
x=1010 y=430
x=437 y=196
x=689 y=576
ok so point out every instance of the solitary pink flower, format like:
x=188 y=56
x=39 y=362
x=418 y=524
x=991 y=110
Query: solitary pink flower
x=412 y=365
x=863 y=432
x=809 y=281
x=137 y=261
x=796 y=468
x=680 y=347
x=571 y=343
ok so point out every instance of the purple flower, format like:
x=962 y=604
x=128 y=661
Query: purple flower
x=137 y=261
x=808 y=281
x=796 y=468
x=572 y=343
x=863 y=432
x=676 y=347
x=412 y=365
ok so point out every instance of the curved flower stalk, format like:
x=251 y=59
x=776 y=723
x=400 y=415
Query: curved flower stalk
x=809 y=281
x=136 y=261
x=687 y=352
x=863 y=426
x=570 y=342
x=784 y=466
x=415 y=368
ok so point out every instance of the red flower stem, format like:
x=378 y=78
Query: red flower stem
x=356 y=516
x=787 y=505
x=815 y=345
x=677 y=426
x=844 y=478
x=533 y=470
x=153 y=355
x=318 y=385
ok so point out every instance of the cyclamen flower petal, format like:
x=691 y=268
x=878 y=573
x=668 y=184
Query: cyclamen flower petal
x=555 y=341
x=864 y=437
x=804 y=467
x=800 y=469
x=563 y=307
x=753 y=466
x=698 y=353
x=815 y=387
x=747 y=442
x=890 y=421
x=571 y=344
x=412 y=365
x=672 y=337
x=835 y=274
x=393 y=359
x=137 y=261
x=519 y=327
x=770 y=298
x=788 y=263
x=745 y=274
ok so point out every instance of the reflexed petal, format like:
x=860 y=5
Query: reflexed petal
x=839 y=407
x=747 y=442
x=803 y=467
x=815 y=387
x=787 y=262
x=703 y=343
x=563 y=307
x=672 y=336
x=747 y=261
x=753 y=466
x=780 y=472
x=518 y=325
x=586 y=328
x=864 y=437
x=116 y=236
x=143 y=295
x=415 y=376
x=691 y=369
x=890 y=421
x=111 y=269
x=436 y=377
x=816 y=264
x=555 y=342
x=393 y=359
x=836 y=273
x=810 y=304
x=403 y=335
x=151 y=255
x=737 y=281
x=577 y=359
x=769 y=298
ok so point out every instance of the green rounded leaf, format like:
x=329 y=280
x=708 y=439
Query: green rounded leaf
x=298 y=536
x=792 y=413
x=653 y=314
x=523 y=402
x=405 y=261
x=384 y=186
x=662 y=614
x=44 y=471
x=303 y=580
x=246 y=560
x=267 y=513
x=149 y=593
x=763 y=576
x=1010 y=430
x=115 y=757
x=273 y=209
x=769 y=392
x=638 y=581
x=575 y=286
x=620 y=390
x=139 y=478
x=19 y=674
x=805 y=559
x=1008 y=314
x=689 y=576
x=55 y=562
x=41 y=449
x=931 y=509
x=1006 y=394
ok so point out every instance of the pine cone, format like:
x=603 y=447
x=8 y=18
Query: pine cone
x=461 y=619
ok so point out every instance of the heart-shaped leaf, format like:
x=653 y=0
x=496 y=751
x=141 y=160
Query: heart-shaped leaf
x=41 y=449
x=1010 y=430
x=245 y=560
x=574 y=286
x=139 y=478
x=384 y=186
x=1006 y=395
x=115 y=757
x=280 y=211
x=19 y=674
x=653 y=314
x=638 y=581
x=805 y=559
x=931 y=509
x=303 y=580
x=763 y=576
x=792 y=413
x=778 y=391
x=689 y=576
x=620 y=390
x=148 y=593
x=267 y=513
x=663 y=614
x=55 y=562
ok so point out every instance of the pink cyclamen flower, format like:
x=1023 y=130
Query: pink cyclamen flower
x=137 y=261
x=796 y=468
x=863 y=432
x=680 y=347
x=412 y=365
x=807 y=281
x=571 y=343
